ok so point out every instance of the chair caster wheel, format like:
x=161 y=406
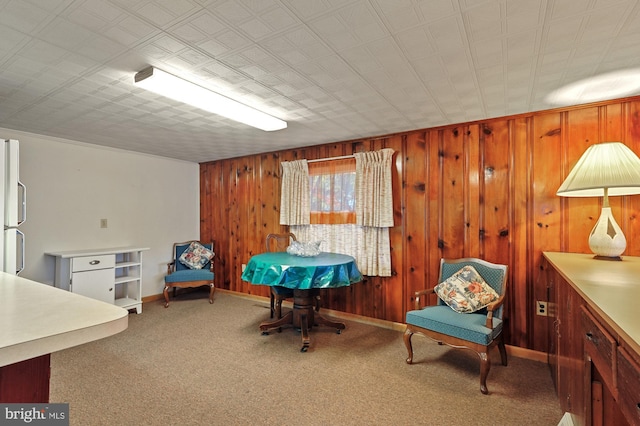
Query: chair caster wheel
x=304 y=349
x=338 y=331
x=265 y=333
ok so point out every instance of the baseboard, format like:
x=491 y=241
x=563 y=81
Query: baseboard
x=515 y=351
x=529 y=354
x=152 y=298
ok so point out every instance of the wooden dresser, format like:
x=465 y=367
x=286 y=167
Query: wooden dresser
x=594 y=336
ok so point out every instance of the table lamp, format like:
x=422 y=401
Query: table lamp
x=605 y=169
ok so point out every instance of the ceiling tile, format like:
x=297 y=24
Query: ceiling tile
x=335 y=69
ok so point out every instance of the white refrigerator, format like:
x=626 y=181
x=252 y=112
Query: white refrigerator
x=14 y=211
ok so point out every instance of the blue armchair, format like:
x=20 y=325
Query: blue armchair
x=477 y=330
x=192 y=266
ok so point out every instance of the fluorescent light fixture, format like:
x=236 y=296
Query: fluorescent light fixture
x=609 y=168
x=606 y=86
x=180 y=90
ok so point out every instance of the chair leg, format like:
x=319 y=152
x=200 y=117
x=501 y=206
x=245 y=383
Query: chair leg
x=317 y=303
x=407 y=342
x=485 y=366
x=272 y=305
x=211 y=291
x=503 y=350
x=278 y=308
x=165 y=292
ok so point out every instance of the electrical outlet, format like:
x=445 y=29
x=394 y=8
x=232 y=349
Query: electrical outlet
x=541 y=308
x=244 y=265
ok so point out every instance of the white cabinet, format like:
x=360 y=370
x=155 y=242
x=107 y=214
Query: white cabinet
x=113 y=275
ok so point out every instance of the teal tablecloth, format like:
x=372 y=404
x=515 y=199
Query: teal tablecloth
x=327 y=270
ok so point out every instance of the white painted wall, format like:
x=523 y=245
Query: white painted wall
x=148 y=201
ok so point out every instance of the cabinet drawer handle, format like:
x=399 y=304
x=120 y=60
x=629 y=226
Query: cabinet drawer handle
x=94 y=262
x=590 y=337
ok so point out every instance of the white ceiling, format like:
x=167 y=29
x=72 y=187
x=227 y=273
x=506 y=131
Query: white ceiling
x=335 y=70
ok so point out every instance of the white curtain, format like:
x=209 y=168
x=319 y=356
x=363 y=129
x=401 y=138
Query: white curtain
x=374 y=210
x=294 y=198
x=372 y=258
x=368 y=240
x=374 y=196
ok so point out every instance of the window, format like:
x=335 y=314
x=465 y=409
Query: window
x=332 y=187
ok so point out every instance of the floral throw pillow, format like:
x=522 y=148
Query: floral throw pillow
x=196 y=256
x=466 y=291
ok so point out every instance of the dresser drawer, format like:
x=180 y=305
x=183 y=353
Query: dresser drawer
x=629 y=386
x=90 y=263
x=601 y=348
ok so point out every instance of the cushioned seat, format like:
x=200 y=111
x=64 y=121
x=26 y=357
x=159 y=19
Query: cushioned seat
x=445 y=320
x=469 y=317
x=189 y=275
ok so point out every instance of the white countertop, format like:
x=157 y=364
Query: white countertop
x=611 y=287
x=37 y=319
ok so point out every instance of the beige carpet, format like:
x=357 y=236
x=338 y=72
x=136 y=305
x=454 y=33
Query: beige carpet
x=201 y=364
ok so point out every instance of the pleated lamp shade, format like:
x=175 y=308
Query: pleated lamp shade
x=609 y=168
x=609 y=165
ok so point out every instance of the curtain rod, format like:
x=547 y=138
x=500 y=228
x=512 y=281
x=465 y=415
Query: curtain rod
x=342 y=157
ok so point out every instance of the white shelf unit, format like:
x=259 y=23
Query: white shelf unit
x=128 y=280
x=113 y=275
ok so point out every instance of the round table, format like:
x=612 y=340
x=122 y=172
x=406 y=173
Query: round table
x=304 y=275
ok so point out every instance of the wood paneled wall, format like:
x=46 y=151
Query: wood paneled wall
x=483 y=189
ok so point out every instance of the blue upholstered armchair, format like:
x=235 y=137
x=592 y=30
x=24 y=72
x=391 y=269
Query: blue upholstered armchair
x=468 y=315
x=192 y=266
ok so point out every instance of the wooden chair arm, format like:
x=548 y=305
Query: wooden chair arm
x=491 y=307
x=418 y=295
